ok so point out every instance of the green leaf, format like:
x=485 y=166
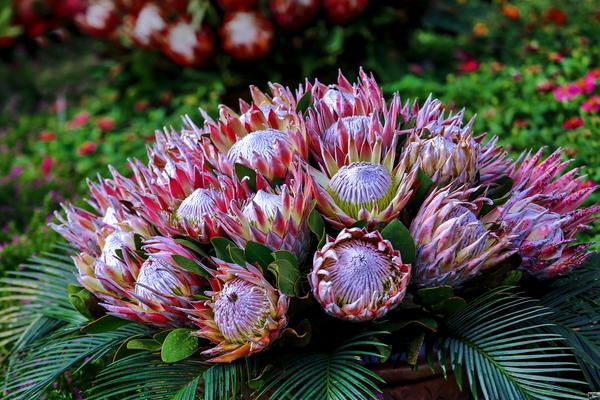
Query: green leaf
x=144 y=344
x=242 y=171
x=414 y=347
x=138 y=241
x=259 y=253
x=161 y=336
x=190 y=265
x=237 y=255
x=286 y=255
x=401 y=239
x=304 y=102
x=359 y=224
x=425 y=184
x=449 y=306
x=178 y=345
x=189 y=391
x=513 y=278
x=316 y=224
x=192 y=245
x=427 y=323
x=287 y=276
x=83 y=301
x=435 y=295
x=107 y=323
x=220 y=244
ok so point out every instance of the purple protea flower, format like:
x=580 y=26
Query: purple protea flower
x=244 y=315
x=358 y=276
x=453 y=245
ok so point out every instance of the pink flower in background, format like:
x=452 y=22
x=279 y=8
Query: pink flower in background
x=567 y=92
x=47 y=136
x=591 y=105
x=46 y=166
x=521 y=123
x=573 y=123
x=469 y=66
x=79 y=120
x=87 y=148
x=105 y=124
x=587 y=83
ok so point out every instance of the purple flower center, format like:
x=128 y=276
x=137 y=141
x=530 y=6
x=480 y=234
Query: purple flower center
x=241 y=309
x=197 y=205
x=360 y=271
x=361 y=183
x=262 y=143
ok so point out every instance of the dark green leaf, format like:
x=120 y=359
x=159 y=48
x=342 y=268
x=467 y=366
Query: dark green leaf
x=449 y=306
x=435 y=295
x=359 y=224
x=316 y=224
x=401 y=239
x=190 y=265
x=304 y=102
x=242 y=171
x=286 y=255
x=513 y=278
x=425 y=184
x=259 y=253
x=144 y=344
x=192 y=245
x=221 y=245
x=107 y=323
x=286 y=275
x=178 y=345
x=237 y=255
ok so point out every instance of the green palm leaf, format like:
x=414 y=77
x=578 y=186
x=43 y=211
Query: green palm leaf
x=499 y=342
x=336 y=375
x=230 y=381
x=144 y=376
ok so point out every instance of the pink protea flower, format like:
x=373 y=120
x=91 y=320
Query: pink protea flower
x=264 y=138
x=147 y=25
x=358 y=276
x=453 y=245
x=545 y=239
x=188 y=47
x=244 y=315
x=246 y=35
x=100 y=19
x=277 y=217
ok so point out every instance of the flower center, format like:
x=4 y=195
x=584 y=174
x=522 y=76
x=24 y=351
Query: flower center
x=354 y=125
x=359 y=272
x=269 y=203
x=197 y=205
x=114 y=242
x=361 y=184
x=156 y=277
x=335 y=98
x=240 y=310
x=263 y=143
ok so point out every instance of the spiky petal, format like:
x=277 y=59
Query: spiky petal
x=453 y=245
x=358 y=276
x=244 y=315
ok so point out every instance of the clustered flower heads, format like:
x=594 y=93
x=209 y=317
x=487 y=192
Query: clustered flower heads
x=318 y=193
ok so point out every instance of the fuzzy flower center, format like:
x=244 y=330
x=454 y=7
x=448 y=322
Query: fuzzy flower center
x=98 y=13
x=240 y=310
x=262 y=143
x=269 y=203
x=114 y=242
x=156 y=277
x=149 y=21
x=354 y=125
x=182 y=39
x=196 y=206
x=360 y=271
x=243 y=29
x=361 y=184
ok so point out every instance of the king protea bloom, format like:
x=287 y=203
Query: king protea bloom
x=277 y=218
x=453 y=245
x=371 y=185
x=544 y=239
x=358 y=276
x=265 y=138
x=244 y=315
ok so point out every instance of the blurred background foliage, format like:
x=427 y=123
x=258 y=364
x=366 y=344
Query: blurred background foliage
x=71 y=104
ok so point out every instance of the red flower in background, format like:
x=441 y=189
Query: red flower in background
x=545 y=86
x=591 y=105
x=340 y=11
x=47 y=136
x=87 y=148
x=556 y=16
x=187 y=47
x=573 y=123
x=46 y=166
x=105 y=124
x=511 y=12
x=246 y=35
x=521 y=123
x=469 y=66
x=79 y=120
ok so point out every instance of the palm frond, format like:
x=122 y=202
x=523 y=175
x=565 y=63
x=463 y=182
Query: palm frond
x=144 y=376
x=38 y=365
x=575 y=302
x=230 y=381
x=328 y=376
x=499 y=342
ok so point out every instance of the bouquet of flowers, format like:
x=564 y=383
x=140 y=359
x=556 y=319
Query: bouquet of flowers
x=317 y=244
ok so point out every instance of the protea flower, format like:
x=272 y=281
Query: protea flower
x=340 y=11
x=264 y=138
x=246 y=35
x=277 y=217
x=187 y=47
x=544 y=239
x=99 y=19
x=358 y=276
x=244 y=315
x=147 y=26
x=293 y=14
x=453 y=245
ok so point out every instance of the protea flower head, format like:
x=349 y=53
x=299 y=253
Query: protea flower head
x=544 y=239
x=277 y=218
x=99 y=19
x=187 y=46
x=147 y=25
x=265 y=137
x=156 y=288
x=244 y=315
x=358 y=276
x=453 y=245
x=370 y=185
